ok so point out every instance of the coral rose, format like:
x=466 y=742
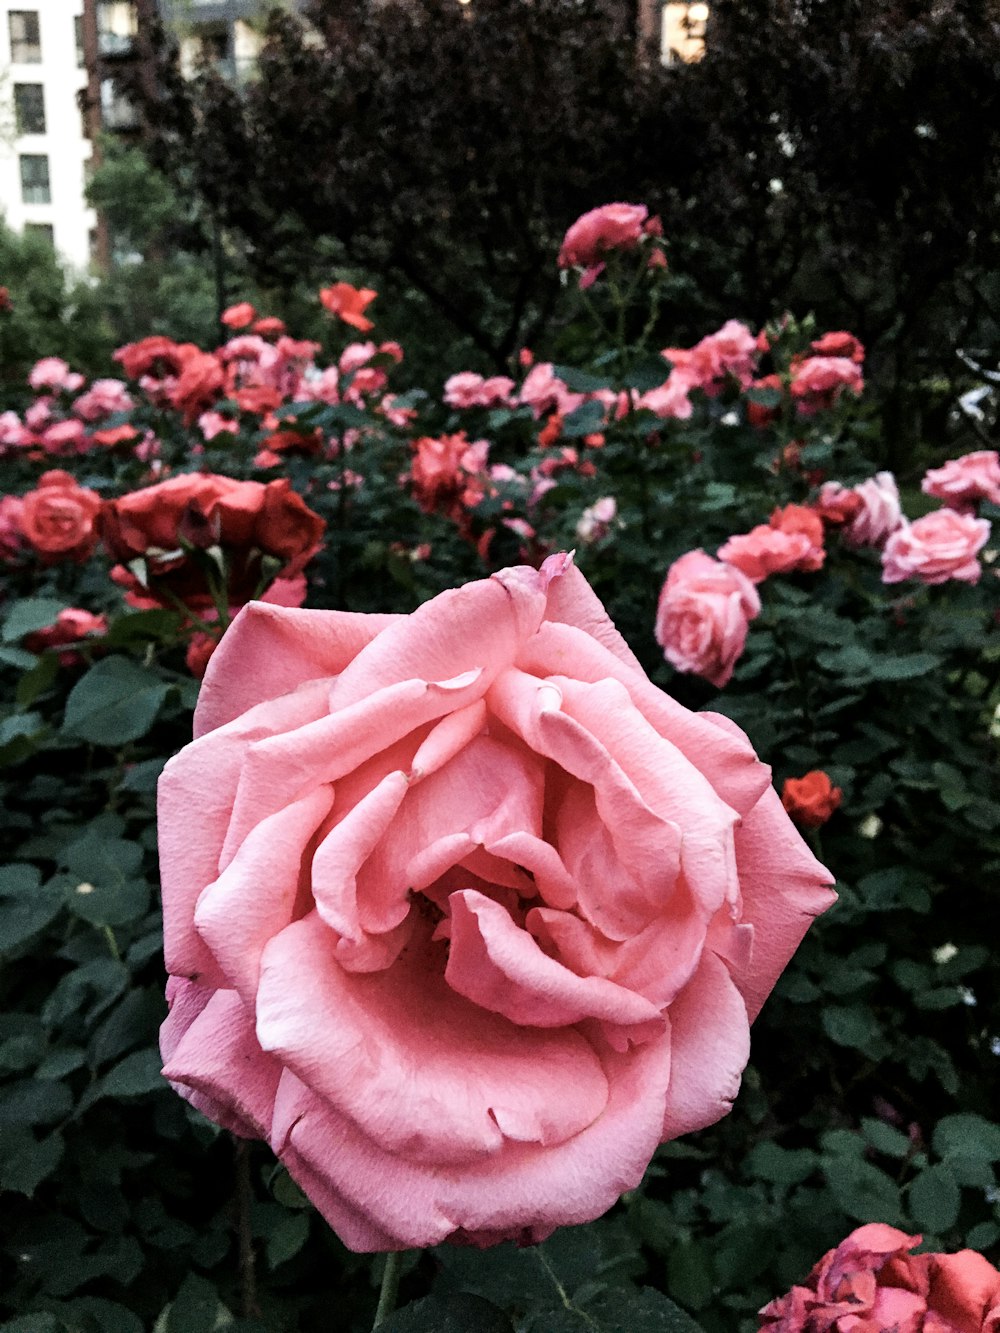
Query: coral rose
x=871 y=1283
x=238 y=316
x=164 y=525
x=462 y=914
x=71 y=626
x=938 y=547
x=812 y=799
x=348 y=303
x=703 y=615
x=818 y=382
x=791 y=542
x=57 y=518
x=962 y=482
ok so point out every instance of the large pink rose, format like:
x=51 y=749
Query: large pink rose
x=871 y=1283
x=962 y=482
x=938 y=547
x=610 y=227
x=462 y=914
x=703 y=615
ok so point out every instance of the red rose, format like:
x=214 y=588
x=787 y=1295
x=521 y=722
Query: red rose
x=57 y=518
x=238 y=316
x=137 y=359
x=812 y=799
x=246 y=519
x=72 y=626
x=200 y=380
x=348 y=304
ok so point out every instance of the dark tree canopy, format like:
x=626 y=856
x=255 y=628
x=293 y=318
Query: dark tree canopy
x=838 y=155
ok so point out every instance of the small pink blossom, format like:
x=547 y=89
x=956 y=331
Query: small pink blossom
x=962 y=482
x=729 y=352
x=395 y=412
x=323 y=386
x=670 y=399
x=610 y=227
x=466 y=389
x=11 y=536
x=543 y=389
x=879 y=515
x=12 y=433
x=818 y=382
x=101 y=399
x=53 y=373
x=69 y=436
x=238 y=316
x=596 y=520
x=703 y=616
x=39 y=414
x=212 y=423
x=938 y=547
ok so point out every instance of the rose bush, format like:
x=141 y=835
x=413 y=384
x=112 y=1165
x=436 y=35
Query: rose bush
x=461 y=913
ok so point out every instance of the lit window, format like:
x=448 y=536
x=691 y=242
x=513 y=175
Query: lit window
x=682 y=33
x=29 y=108
x=25 y=37
x=35 y=187
x=117 y=27
x=117 y=112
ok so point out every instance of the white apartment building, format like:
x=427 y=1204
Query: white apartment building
x=43 y=148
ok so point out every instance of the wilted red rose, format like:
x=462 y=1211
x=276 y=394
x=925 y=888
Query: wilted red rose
x=166 y=524
x=812 y=799
x=57 y=518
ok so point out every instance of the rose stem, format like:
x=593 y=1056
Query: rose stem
x=390 y=1287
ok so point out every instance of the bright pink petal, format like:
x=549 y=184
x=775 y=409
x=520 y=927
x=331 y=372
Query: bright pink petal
x=501 y=968
x=269 y=650
x=255 y=897
x=221 y=1069
x=572 y=601
x=709 y=1049
x=427 y=1074
x=195 y=802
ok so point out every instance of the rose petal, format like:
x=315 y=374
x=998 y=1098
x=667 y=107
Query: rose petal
x=427 y=1075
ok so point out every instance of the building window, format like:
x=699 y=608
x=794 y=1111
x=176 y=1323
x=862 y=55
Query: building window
x=35 y=187
x=117 y=27
x=29 y=108
x=43 y=230
x=81 y=54
x=25 y=37
x=682 y=33
x=117 y=112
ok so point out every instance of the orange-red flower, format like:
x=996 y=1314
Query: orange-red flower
x=348 y=304
x=812 y=799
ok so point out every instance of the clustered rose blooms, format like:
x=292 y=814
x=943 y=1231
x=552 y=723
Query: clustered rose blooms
x=162 y=526
x=462 y=914
x=791 y=542
x=703 y=615
x=962 y=482
x=940 y=546
x=811 y=799
x=872 y=1283
x=867 y=514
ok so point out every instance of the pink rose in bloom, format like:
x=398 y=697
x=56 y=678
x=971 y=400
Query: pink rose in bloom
x=872 y=1283
x=818 y=381
x=53 y=373
x=467 y=389
x=703 y=615
x=11 y=531
x=214 y=423
x=879 y=514
x=101 y=399
x=39 y=414
x=730 y=351
x=65 y=437
x=936 y=548
x=12 y=433
x=669 y=399
x=596 y=520
x=791 y=543
x=837 y=504
x=543 y=389
x=58 y=518
x=962 y=482
x=463 y=936
x=269 y=327
x=610 y=227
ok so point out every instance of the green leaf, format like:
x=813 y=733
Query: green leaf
x=934 y=1199
x=103 y=883
x=26 y=1161
x=582 y=381
x=851 y=1025
x=28 y=615
x=286 y=1239
x=196 y=1307
x=31 y=1323
x=782 y=1166
x=885 y=1139
x=585 y=420
x=136 y=1075
x=967 y=1135
x=863 y=1191
x=116 y=701
x=461 y=1313
x=26 y=907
